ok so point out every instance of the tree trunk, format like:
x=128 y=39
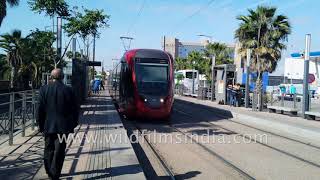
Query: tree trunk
x=12 y=76
x=259 y=91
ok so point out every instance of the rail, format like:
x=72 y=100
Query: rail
x=17 y=112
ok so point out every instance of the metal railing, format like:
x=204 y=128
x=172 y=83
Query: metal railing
x=284 y=100
x=203 y=93
x=17 y=112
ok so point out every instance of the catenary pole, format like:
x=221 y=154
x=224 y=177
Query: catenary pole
x=247 y=78
x=305 y=105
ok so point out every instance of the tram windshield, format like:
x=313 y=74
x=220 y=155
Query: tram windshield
x=152 y=78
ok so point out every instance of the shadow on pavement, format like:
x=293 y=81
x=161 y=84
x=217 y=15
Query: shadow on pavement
x=26 y=165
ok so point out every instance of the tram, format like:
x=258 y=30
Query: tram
x=142 y=84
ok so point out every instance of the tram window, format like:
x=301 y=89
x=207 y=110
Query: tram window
x=189 y=75
x=126 y=81
x=150 y=73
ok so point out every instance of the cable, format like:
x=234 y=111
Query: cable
x=194 y=13
x=200 y=9
x=138 y=16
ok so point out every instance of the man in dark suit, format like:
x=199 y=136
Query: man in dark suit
x=58 y=114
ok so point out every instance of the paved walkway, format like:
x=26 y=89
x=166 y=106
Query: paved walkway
x=295 y=126
x=100 y=149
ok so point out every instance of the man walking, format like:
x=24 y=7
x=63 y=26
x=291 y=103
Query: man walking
x=58 y=114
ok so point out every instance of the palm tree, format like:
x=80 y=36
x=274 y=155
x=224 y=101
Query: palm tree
x=12 y=44
x=220 y=51
x=264 y=32
x=3 y=7
x=180 y=63
x=197 y=61
x=222 y=54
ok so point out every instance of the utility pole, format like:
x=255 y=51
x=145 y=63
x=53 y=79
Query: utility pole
x=81 y=52
x=74 y=48
x=88 y=48
x=305 y=105
x=59 y=41
x=93 y=53
x=247 y=78
x=114 y=60
x=193 y=71
x=164 y=43
x=213 y=77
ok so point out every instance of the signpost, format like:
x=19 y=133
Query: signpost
x=311 y=78
x=305 y=104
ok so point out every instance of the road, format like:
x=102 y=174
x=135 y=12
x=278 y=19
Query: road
x=201 y=144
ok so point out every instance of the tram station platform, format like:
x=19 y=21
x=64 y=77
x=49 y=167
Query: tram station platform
x=100 y=148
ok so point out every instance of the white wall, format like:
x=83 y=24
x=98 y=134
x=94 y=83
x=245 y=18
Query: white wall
x=294 y=68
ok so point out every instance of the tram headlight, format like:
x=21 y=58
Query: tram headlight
x=162 y=100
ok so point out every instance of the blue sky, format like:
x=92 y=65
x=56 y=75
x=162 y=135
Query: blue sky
x=175 y=18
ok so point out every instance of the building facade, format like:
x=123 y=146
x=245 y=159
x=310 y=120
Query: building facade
x=181 y=49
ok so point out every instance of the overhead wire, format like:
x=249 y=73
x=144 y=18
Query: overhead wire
x=205 y=6
x=138 y=16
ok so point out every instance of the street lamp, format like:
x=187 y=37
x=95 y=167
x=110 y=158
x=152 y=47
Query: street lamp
x=247 y=93
x=207 y=36
x=213 y=62
x=13 y=48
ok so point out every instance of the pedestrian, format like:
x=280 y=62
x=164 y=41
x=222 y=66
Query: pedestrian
x=293 y=90
x=102 y=85
x=57 y=115
x=96 y=85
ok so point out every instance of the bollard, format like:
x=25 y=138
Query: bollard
x=11 y=119
x=309 y=97
x=24 y=111
x=33 y=110
x=282 y=100
x=271 y=99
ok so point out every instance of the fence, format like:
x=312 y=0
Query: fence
x=291 y=101
x=17 y=112
x=203 y=93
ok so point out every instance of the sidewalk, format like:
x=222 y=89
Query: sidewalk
x=91 y=155
x=294 y=126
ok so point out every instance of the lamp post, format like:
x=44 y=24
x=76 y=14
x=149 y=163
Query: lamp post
x=213 y=62
x=13 y=50
x=207 y=36
x=193 y=70
x=305 y=104
x=247 y=94
x=59 y=41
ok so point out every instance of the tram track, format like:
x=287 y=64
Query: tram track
x=251 y=140
x=221 y=158
x=258 y=129
x=199 y=144
x=156 y=153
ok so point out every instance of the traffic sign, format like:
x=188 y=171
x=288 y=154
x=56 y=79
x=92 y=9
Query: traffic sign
x=93 y=63
x=311 y=78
